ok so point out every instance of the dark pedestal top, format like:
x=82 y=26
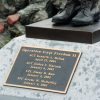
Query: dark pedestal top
x=47 y=30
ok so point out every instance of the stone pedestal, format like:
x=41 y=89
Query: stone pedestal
x=85 y=84
x=46 y=30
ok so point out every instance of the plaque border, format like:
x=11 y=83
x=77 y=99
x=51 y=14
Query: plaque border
x=43 y=89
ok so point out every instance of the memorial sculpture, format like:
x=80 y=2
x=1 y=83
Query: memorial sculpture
x=79 y=13
x=75 y=13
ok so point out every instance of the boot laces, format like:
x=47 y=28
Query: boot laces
x=67 y=3
x=86 y=5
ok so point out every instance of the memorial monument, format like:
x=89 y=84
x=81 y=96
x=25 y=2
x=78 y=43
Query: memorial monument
x=50 y=70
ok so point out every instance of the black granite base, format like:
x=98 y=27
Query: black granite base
x=46 y=30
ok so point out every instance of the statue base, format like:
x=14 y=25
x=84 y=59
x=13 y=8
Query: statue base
x=85 y=84
x=46 y=30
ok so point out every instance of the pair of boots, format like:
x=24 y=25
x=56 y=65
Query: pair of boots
x=79 y=13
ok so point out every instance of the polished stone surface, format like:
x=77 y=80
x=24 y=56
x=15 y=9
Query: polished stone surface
x=85 y=84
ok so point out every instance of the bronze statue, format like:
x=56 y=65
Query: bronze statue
x=78 y=13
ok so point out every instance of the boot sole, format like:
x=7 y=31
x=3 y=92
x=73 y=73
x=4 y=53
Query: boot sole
x=60 y=22
x=77 y=24
x=96 y=18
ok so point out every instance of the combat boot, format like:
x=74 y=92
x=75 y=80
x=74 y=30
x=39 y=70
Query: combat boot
x=70 y=10
x=88 y=14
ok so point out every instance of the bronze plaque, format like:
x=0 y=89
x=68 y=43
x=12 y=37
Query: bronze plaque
x=43 y=69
